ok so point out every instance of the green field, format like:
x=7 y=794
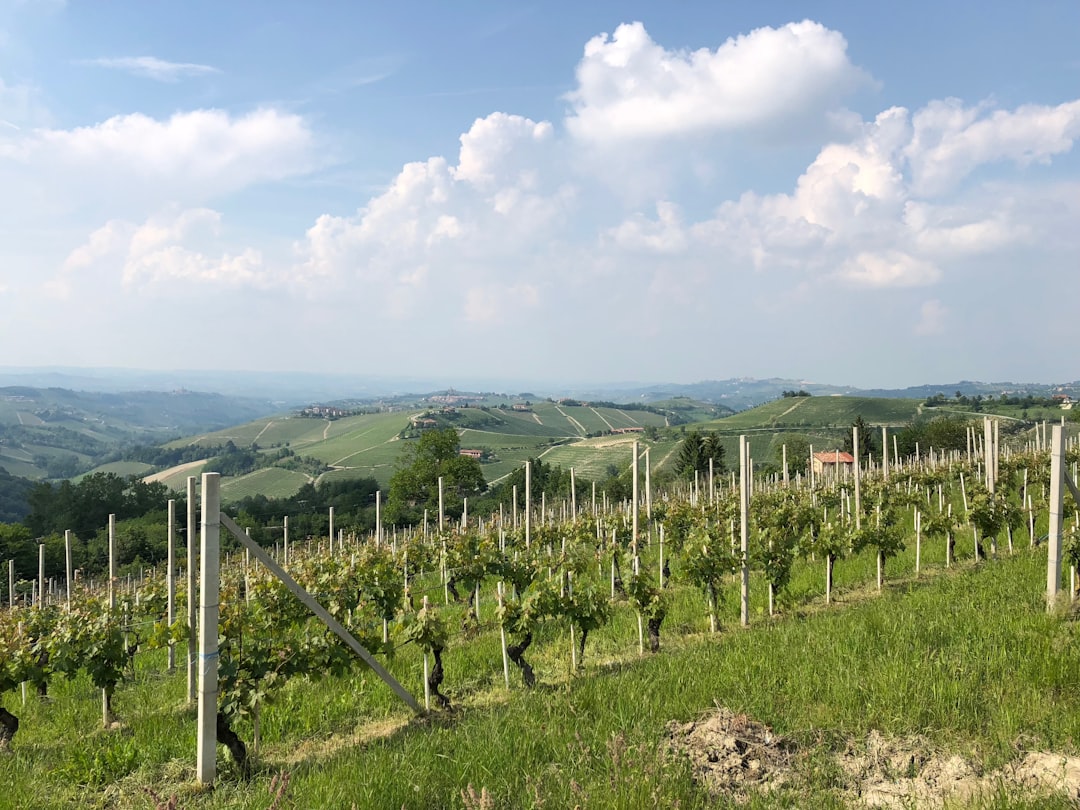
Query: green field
x=273 y=482
x=563 y=435
x=800 y=413
x=121 y=468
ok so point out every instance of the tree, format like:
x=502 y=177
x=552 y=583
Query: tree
x=415 y=485
x=696 y=450
x=867 y=446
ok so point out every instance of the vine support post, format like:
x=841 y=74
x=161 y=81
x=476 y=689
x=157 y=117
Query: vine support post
x=170 y=579
x=67 y=563
x=573 y=494
x=40 y=602
x=744 y=528
x=285 y=538
x=635 y=498
x=191 y=585
x=209 y=593
x=331 y=537
x=528 y=504
x=112 y=561
x=502 y=639
x=1057 y=480
x=858 y=471
x=884 y=455
x=918 y=541
x=11 y=583
x=442 y=512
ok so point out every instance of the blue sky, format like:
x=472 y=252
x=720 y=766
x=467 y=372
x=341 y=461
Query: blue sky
x=863 y=194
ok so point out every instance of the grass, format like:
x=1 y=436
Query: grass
x=809 y=412
x=966 y=656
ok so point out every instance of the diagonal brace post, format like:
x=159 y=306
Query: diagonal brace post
x=312 y=605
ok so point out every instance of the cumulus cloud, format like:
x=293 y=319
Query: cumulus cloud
x=150 y=67
x=203 y=146
x=631 y=87
x=161 y=250
x=951 y=140
x=439 y=223
x=130 y=165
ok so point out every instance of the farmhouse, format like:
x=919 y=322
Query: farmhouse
x=477 y=454
x=628 y=430
x=833 y=462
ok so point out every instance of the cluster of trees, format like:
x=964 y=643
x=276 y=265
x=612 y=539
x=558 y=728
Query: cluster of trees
x=695 y=452
x=414 y=485
x=799 y=393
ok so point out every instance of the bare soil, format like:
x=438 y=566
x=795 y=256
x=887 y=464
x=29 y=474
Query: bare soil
x=736 y=756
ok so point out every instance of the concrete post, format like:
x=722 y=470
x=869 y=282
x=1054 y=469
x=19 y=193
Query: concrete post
x=209 y=593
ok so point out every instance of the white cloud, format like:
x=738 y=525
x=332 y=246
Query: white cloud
x=950 y=140
x=159 y=251
x=932 y=317
x=150 y=67
x=889 y=269
x=631 y=87
x=130 y=165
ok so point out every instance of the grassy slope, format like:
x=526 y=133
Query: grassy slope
x=818 y=412
x=967 y=657
x=368 y=445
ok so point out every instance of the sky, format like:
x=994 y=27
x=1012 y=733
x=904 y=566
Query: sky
x=864 y=194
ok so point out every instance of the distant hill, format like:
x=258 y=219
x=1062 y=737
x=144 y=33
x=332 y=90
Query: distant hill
x=60 y=433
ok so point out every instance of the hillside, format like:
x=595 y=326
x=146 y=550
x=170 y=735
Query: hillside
x=60 y=433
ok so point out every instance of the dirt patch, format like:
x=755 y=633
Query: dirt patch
x=735 y=756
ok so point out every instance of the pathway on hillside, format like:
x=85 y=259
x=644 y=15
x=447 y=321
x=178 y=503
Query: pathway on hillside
x=628 y=416
x=798 y=401
x=537 y=418
x=169 y=473
x=266 y=427
x=580 y=427
x=605 y=421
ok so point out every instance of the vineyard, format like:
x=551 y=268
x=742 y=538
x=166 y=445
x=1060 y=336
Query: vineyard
x=548 y=646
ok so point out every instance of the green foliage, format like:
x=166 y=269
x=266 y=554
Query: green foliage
x=646 y=596
x=695 y=452
x=415 y=484
x=939 y=432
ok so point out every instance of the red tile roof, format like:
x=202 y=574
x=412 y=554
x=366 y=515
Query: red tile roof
x=831 y=457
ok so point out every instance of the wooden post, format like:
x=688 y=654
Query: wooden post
x=191 y=604
x=112 y=562
x=648 y=489
x=858 y=472
x=528 y=504
x=744 y=527
x=635 y=498
x=41 y=576
x=1057 y=482
x=332 y=528
x=502 y=639
x=378 y=518
x=67 y=562
x=209 y=592
x=170 y=579
x=884 y=454
x=442 y=513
